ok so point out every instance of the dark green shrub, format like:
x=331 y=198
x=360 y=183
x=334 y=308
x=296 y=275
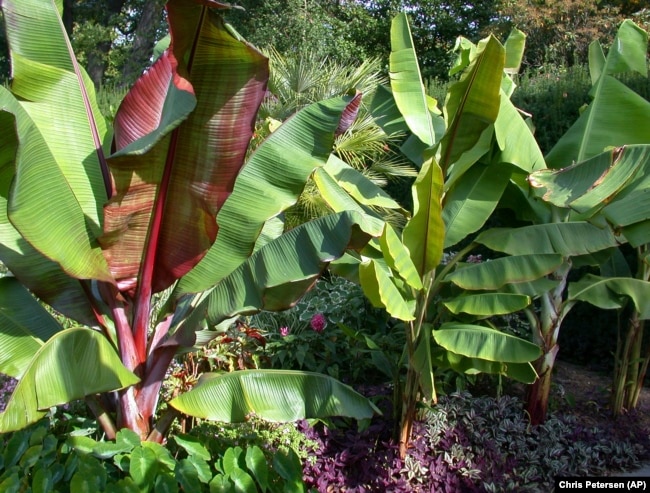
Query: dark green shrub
x=40 y=459
x=326 y=333
x=553 y=97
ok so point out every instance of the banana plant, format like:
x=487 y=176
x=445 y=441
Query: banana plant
x=151 y=235
x=465 y=162
x=607 y=186
x=611 y=188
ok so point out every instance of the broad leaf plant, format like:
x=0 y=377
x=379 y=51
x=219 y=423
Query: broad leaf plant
x=151 y=234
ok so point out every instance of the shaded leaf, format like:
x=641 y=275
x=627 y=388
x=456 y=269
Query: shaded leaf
x=612 y=293
x=507 y=270
x=487 y=304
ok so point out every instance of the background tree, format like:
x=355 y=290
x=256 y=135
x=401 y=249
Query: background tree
x=355 y=30
x=326 y=28
x=559 y=31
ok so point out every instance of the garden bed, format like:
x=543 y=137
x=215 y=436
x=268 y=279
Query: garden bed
x=466 y=443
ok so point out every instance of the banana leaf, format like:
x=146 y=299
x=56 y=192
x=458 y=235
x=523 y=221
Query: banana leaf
x=26 y=325
x=505 y=271
x=72 y=364
x=424 y=234
x=42 y=276
x=379 y=286
x=515 y=47
x=522 y=372
x=472 y=105
x=487 y=304
x=53 y=201
x=406 y=82
x=357 y=185
x=280 y=272
x=617 y=115
x=472 y=200
x=568 y=239
x=187 y=139
x=274 y=395
x=594 y=183
x=612 y=293
x=474 y=341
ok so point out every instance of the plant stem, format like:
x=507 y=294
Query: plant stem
x=102 y=417
x=162 y=425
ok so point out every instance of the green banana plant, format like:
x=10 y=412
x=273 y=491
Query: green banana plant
x=611 y=188
x=607 y=186
x=464 y=165
x=150 y=235
x=573 y=238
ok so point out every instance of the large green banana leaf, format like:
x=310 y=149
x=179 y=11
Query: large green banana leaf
x=24 y=326
x=472 y=200
x=515 y=47
x=596 y=182
x=301 y=144
x=487 y=304
x=424 y=234
x=506 y=270
x=275 y=395
x=41 y=275
x=279 y=273
x=406 y=82
x=334 y=195
x=617 y=115
x=72 y=364
x=380 y=287
x=472 y=105
x=357 y=185
x=474 y=341
x=613 y=184
x=471 y=110
x=568 y=239
x=61 y=177
x=613 y=293
x=516 y=141
x=161 y=220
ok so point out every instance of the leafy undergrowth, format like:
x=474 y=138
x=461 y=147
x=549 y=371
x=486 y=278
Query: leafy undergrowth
x=464 y=444
x=467 y=443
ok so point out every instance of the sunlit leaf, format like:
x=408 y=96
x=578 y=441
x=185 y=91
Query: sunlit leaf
x=275 y=395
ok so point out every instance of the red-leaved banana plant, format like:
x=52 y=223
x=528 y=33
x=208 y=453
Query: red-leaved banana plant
x=95 y=221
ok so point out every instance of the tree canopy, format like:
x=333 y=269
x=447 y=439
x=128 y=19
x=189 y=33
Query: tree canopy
x=114 y=38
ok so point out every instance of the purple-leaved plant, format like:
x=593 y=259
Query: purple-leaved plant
x=7 y=386
x=467 y=444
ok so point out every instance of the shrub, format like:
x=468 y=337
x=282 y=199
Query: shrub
x=293 y=341
x=39 y=458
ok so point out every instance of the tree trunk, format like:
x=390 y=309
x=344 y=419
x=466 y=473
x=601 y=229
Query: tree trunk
x=144 y=40
x=98 y=58
x=409 y=407
x=553 y=311
x=538 y=393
